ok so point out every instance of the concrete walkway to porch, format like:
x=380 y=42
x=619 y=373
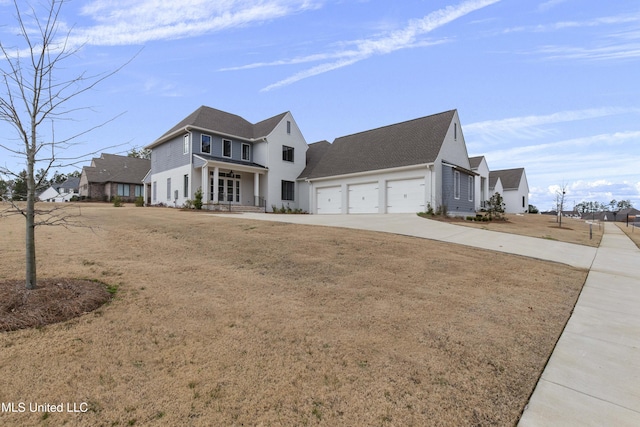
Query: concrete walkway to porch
x=593 y=375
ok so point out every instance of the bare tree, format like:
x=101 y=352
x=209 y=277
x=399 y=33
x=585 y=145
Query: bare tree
x=33 y=102
x=560 y=195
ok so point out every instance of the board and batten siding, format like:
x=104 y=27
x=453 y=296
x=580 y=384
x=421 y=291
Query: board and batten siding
x=461 y=205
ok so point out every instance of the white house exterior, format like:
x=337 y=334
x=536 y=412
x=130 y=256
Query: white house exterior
x=405 y=167
x=480 y=166
x=513 y=186
x=234 y=162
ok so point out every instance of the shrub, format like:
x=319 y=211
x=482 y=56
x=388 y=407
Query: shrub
x=495 y=207
x=139 y=201
x=197 y=203
x=188 y=204
x=117 y=201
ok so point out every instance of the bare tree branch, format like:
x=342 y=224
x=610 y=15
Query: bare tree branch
x=32 y=97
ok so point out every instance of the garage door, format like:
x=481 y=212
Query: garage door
x=363 y=198
x=405 y=196
x=329 y=200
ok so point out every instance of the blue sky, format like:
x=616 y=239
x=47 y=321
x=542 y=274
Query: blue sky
x=549 y=85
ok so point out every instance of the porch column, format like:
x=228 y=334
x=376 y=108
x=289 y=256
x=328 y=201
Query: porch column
x=216 y=172
x=256 y=188
x=205 y=187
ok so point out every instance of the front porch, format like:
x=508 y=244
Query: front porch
x=232 y=187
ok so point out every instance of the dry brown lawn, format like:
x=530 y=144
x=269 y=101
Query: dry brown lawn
x=225 y=321
x=631 y=231
x=542 y=226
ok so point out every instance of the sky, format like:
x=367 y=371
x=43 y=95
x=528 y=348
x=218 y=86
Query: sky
x=549 y=85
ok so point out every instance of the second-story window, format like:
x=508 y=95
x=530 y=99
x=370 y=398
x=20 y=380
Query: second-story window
x=246 y=153
x=287 y=153
x=185 y=144
x=226 y=148
x=205 y=141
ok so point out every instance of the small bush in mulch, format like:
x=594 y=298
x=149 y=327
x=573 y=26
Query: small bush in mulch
x=53 y=301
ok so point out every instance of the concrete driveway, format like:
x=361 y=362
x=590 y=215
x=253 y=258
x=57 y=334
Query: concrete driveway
x=412 y=225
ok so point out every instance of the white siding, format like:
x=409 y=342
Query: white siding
x=282 y=170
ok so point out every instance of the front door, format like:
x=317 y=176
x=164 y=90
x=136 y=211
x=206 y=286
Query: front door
x=228 y=188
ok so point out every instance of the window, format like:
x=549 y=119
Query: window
x=455 y=131
x=168 y=188
x=456 y=185
x=123 y=190
x=288 y=127
x=287 y=153
x=288 y=188
x=470 y=188
x=226 y=148
x=185 y=144
x=246 y=153
x=186 y=186
x=205 y=144
x=139 y=190
x=523 y=201
x=155 y=190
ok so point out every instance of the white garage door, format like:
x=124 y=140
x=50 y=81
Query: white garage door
x=363 y=198
x=405 y=196
x=329 y=200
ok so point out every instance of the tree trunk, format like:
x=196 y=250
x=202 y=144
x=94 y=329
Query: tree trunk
x=30 y=240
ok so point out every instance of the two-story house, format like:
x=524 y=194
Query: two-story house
x=233 y=162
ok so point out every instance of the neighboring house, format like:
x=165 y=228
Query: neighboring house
x=48 y=195
x=512 y=185
x=111 y=175
x=619 y=216
x=405 y=167
x=479 y=165
x=233 y=161
x=61 y=192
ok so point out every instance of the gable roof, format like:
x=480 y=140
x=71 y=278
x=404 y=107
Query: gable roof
x=474 y=162
x=219 y=121
x=114 y=168
x=71 y=183
x=315 y=151
x=510 y=178
x=407 y=143
x=493 y=181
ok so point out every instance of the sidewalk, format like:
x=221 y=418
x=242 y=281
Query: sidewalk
x=593 y=375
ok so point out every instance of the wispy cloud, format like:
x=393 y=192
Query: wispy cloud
x=530 y=127
x=407 y=37
x=561 y=25
x=123 y=22
x=550 y=4
x=621 y=42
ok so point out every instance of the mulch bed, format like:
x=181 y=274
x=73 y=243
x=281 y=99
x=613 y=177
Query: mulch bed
x=53 y=301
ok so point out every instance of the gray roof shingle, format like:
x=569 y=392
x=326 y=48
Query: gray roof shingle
x=315 y=151
x=226 y=123
x=474 y=162
x=114 y=168
x=510 y=178
x=408 y=143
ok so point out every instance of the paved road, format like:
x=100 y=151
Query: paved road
x=593 y=375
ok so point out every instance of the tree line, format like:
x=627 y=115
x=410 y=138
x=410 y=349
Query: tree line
x=16 y=189
x=612 y=206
